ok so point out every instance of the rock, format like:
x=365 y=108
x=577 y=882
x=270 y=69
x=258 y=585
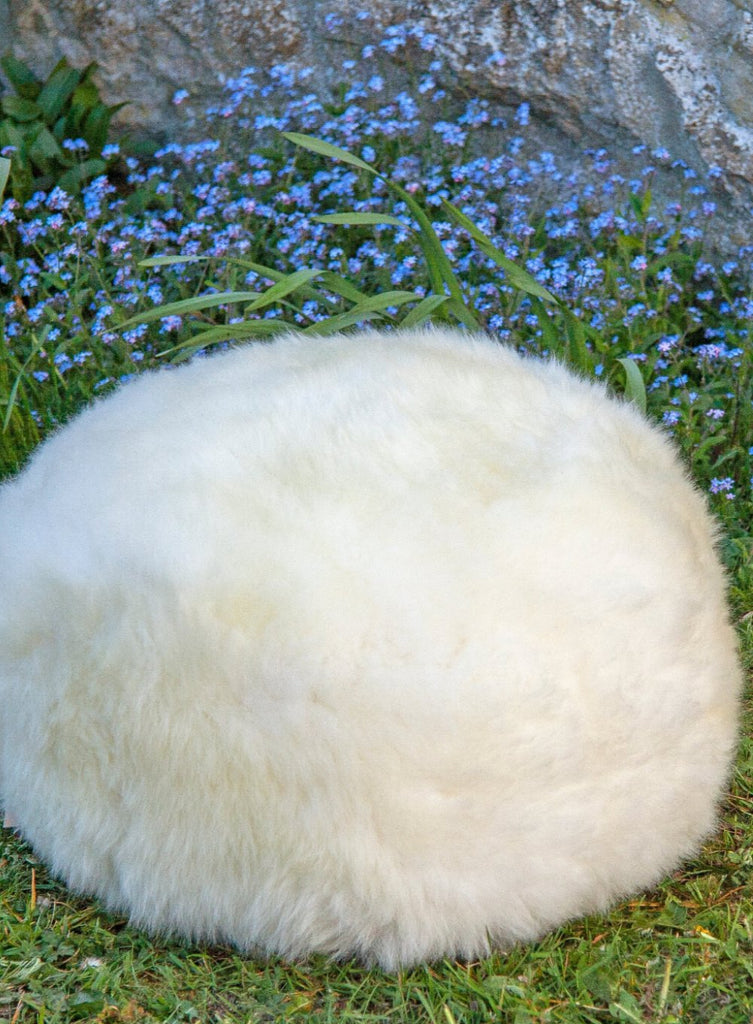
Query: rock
x=676 y=74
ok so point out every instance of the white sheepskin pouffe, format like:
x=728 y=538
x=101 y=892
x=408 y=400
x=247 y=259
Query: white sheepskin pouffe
x=391 y=646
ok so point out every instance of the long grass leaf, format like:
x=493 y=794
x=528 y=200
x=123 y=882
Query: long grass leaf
x=315 y=145
x=549 y=334
x=289 y=283
x=516 y=275
x=635 y=386
x=244 y=330
x=360 y=218
x=375 y=305
x=423 y=310
x=341 y=321
x=440 y=268
x=169 y=261
x=462 y=313
x=194 y=305
x=578 y=354
x=340 y=286
x=4 y=172
x=328 y=278
x=385 y=299
x=37 y=344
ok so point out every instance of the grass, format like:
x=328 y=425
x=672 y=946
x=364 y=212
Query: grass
x=682 y=953
x=249 y=232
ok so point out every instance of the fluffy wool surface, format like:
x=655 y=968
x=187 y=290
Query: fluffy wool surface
x=392 y=646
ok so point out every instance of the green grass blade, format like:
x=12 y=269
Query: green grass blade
x=437 y=261
x=37 y=343
x=314 y=145
x=578 y=354
x=549 y=333
x=423 y=310
x=12 y=397
x=329 y=280
x=246 y=329
x=169 y=261
x=635 y=386
x=341 y=321
x=4 y=173
x=516 y=275
x=385 y=299
x=289 y=283
x=333 y=282
x=372 y=307
x=193 y=305
x=360 y=218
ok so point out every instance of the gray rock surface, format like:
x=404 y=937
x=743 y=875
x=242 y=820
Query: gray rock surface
x=669 y=73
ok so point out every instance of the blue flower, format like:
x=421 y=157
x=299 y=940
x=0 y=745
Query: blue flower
x=722 y=485
x=451 y=134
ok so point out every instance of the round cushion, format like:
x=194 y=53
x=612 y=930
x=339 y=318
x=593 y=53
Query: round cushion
x=392 y=646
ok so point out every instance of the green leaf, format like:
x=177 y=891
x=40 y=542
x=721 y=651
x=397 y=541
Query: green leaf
x=327 y=149
x=596 y=980
x=440 y=269
x=674 y=915
x=635 y=387
x=422 y=311
x=265 y=271
x=285 y=286
x=72 y=179
x=20 y=76
x=4 y=172
x=552 y=338
x=45 y=150
x=246 y=330
x=193 y=305
x=84 y=1003
x=365 y=310
x=169 y=261
x=517 y=276
x=340 y=286
x=641 y=205
x=385 y=299
x=96 y=127
x=37 y=343
x=626 y=1008
x=57 y=90
x=578 y=354
x=330 y=280
x=360 y=218
x=85 y=97
x=11 y=136
x=341 y=322
x=21 y=109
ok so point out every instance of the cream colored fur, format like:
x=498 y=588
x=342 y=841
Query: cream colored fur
x=390 y=646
